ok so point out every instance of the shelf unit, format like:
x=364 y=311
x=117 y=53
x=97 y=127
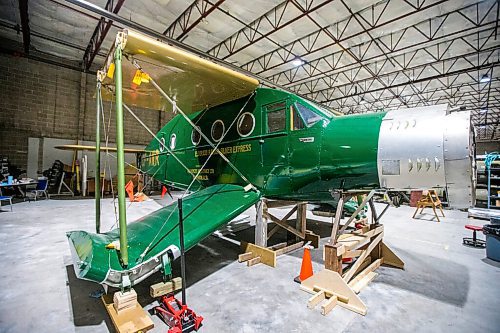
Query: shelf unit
x=488 y=184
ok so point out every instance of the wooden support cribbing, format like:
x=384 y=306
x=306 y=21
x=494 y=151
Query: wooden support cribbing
x=134 y=319
x=373 y=266
x=348 y=276
x=125 y=300
x=329 y=305
x=253 y=261
x=245 y=256
x=163 y=288
x=333 y=257
x=267 y=256
x=316 y=299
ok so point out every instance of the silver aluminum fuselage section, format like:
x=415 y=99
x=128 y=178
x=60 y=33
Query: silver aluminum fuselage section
x=425 y=147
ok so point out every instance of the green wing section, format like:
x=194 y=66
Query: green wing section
x=155 y=238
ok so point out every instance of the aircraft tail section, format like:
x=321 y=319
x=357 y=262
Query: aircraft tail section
x=154 y=239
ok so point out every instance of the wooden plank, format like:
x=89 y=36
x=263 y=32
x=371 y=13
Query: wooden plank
x=245 y=256
x=277 y=246
x=289 y=248
x=316 y=299
x=313 y=238
x=336 y=220
x=333 y=285
x=132 y=320
x=356 y=212
x=364 y=282
x=282 y=203
x=348 y=276
x=373 y=266
x=267 y=256
x=163 y=288
x=301 y=218
x=253 y=261
x=352 y=254
x=284 y=225
x=273 y=231
x=328 y=306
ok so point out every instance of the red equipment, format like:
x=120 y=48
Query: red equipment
x=178 y=317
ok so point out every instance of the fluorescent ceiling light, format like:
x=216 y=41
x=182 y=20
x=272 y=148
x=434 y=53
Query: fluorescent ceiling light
x=485 y=78
x=483 y=110
x=298 y=62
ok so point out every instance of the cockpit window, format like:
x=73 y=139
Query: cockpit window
x=297 y=122
x=310 y=117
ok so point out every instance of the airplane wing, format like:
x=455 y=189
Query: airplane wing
x=157 y=234
x=92 y=148
x=194 y=82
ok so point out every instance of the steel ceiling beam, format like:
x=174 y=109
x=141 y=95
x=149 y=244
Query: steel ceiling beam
x=356 y=82
x=390 y=43
x=100 y=33
x=190 y=18
x=88 y=6
x=342 y=30
x=23 y=12
x=270 y=22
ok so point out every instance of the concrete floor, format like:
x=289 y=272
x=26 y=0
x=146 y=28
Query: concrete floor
x=445 y=287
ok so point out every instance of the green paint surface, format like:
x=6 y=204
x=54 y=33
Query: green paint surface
x=204 y=212
x=303 y=164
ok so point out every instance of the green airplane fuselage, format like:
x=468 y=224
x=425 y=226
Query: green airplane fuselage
x=291 y=148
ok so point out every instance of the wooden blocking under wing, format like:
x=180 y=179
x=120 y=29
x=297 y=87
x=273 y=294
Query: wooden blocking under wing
x=123 y=301
x=131 y=320
x=163 y=288
x=332 y=284
x=266 y=255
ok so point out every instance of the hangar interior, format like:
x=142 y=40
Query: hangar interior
x=350 y=146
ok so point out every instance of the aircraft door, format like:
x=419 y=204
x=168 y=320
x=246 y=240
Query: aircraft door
x=304 y=145
x=274 y=147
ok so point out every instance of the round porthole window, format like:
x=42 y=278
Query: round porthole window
x=162 y=144
x=195 y=136
x=246 y=124
x=217 y=130
x=173 y=140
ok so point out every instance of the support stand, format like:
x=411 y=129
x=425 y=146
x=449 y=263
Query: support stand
x=364 y=247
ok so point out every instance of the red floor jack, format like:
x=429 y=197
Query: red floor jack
x=174 y=313
x=178 y=317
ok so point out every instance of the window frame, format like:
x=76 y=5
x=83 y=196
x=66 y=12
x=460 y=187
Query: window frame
x=253 y=124
x=212 y=130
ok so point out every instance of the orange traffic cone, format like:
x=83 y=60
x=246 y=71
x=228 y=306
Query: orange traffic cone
x=163 y=191
x=306 y=269
x=129 y=188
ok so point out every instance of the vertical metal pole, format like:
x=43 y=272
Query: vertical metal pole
x=183 y=259
x=489 y=186
x=120 y=157
x=98 y=161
